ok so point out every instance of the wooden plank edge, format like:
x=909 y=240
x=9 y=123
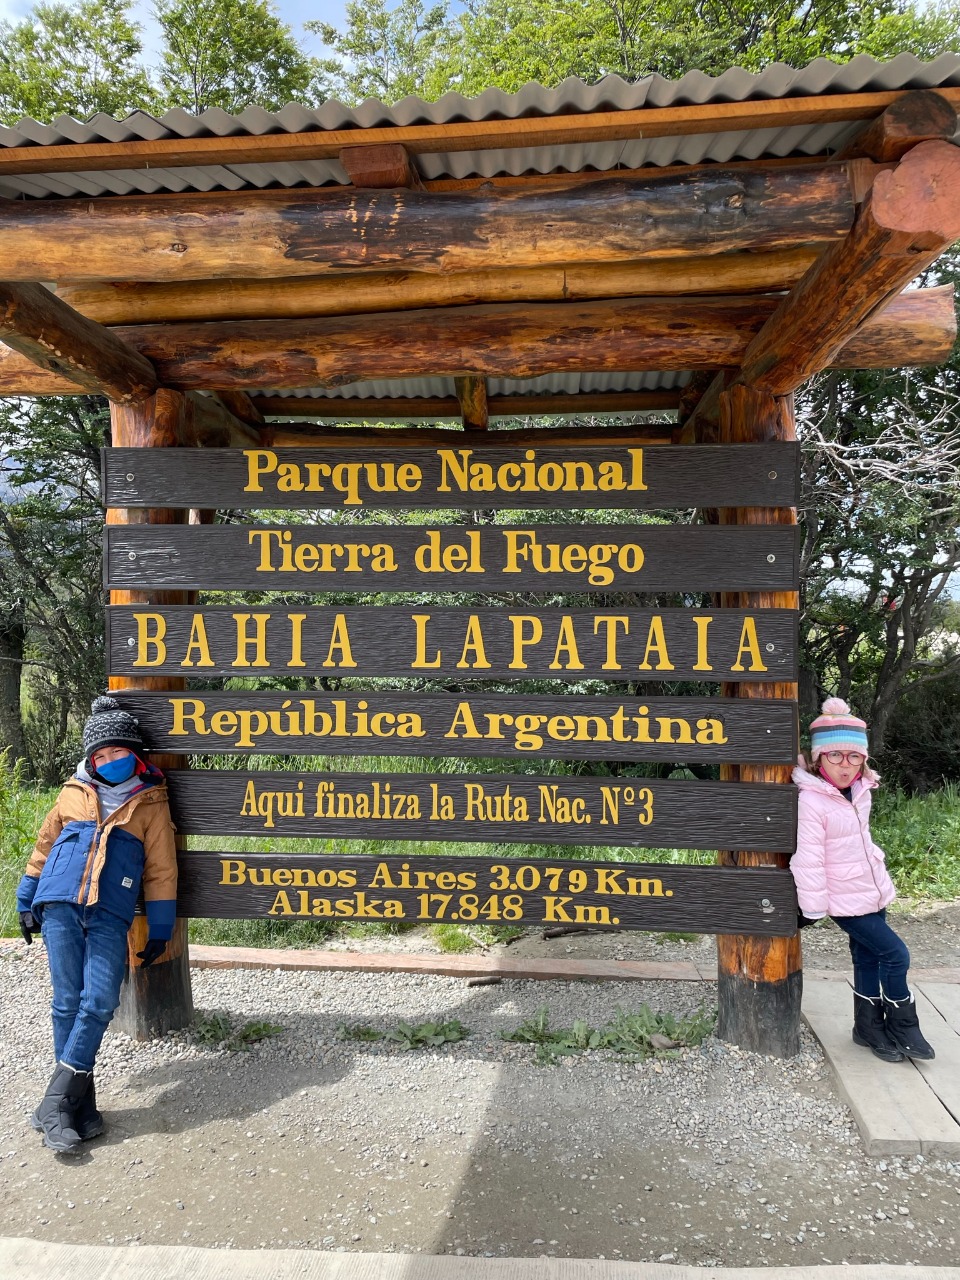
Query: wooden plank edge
x=645 y=122
x=546 y=970
x=833 y=1035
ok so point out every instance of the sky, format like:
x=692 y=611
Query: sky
x=293 y=12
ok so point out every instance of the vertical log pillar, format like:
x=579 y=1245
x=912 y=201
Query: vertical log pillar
x=156 y=999
x=760 y=979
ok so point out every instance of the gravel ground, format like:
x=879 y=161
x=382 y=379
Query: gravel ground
x=308 y=1140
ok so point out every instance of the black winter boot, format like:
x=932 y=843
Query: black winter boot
x=58 y=1107
x=869 y=1028
x=903 y=1028
x=88 y=1122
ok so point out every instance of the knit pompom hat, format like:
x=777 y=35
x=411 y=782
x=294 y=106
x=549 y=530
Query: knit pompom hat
x=109 y=726
x=838 y=729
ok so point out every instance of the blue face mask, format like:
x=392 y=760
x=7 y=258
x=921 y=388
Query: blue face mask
x=117 y=771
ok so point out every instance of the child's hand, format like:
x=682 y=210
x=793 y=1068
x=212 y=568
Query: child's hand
x=28 y=926
x=152 y=951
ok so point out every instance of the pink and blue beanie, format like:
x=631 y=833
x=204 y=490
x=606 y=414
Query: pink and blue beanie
x=838 y=729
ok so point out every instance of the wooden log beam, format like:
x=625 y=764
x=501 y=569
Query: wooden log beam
x=242 y=407
x=301 y=435
x=157 y=999
x=296 y=233
x=385 y=164
x=584 y=404
x=57 y=339
x=759 y=979
x=212 y=425
x=503 y=342
x=121 y=303
x=910 y=217
x=472 y=398
x=919 y=116
x=479 y=135
x=704 y=416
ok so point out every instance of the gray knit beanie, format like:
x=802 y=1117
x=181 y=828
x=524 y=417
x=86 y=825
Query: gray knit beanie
x=109 y=726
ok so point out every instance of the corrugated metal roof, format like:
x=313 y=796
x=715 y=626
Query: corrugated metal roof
x=550 y=384
x=572 y=97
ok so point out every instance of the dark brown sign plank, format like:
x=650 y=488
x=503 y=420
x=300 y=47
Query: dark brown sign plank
x=499 y=808
x=502 y=644
x=370 y=722
x=492 y=472
x=452 y=558
x=523 y=891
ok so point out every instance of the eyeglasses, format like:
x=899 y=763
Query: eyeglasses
x=853 y=758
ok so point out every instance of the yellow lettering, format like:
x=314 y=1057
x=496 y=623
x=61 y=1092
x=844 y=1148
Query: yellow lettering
x=749 y=644
x=146 y=640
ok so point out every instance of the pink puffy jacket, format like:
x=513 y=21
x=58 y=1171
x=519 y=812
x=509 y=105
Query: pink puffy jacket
x=838 y=869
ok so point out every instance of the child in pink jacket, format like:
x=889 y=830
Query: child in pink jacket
x=841 y=873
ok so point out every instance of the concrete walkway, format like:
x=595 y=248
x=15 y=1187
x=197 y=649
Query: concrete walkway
x=34 y=1260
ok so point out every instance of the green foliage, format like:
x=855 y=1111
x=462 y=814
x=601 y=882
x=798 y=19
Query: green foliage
x=22 y=809
x=51 y=523
x=427 y=1035
x=451 y=939
x=230 y=54
x=72 y=59
x=922 y=749
x=389 y=51
x=262 y=933
x=639 y=1035
x=219 y=1030
x=386 y=53
x=921 y=838
x=360 y=1032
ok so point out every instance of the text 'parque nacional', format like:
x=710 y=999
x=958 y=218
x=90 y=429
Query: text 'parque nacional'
x=592 y=476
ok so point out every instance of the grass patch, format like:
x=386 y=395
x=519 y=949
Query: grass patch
x=23 y=808
x=427 y=1035
x=359 y=1032
x=676 y=937
x=451 y=939
x=262 y=933
x=218 y=1030
x=639 y=1035
x=423 y=1035
x=921 y=838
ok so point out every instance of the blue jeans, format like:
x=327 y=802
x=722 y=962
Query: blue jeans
x=87 y=954
x=880 y=956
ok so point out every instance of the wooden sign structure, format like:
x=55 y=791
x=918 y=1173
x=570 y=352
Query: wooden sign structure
x=658 y=477
x=755 y=275
x=553 y=558
x=504 y=644
x=517 y=808
x=519 y=891
x=484 y=808
x=533 y=726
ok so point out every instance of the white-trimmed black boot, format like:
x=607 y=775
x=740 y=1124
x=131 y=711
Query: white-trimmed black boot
x=903 y=1028
x=869 y=1028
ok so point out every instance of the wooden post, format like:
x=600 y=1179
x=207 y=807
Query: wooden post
x=760 y=979
x=157 y=999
